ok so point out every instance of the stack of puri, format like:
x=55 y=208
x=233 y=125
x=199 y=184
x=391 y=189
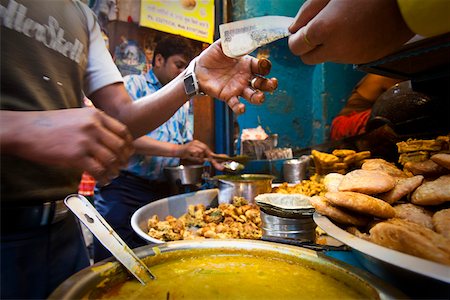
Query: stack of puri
x=400 y=210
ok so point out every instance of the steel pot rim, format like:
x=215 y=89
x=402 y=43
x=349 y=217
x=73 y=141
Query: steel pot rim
x=244 y=178
x=72 y=287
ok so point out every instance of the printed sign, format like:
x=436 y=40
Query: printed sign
x=193 y=19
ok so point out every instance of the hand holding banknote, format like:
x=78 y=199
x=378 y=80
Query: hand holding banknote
x=229 y=78
x=242 y=37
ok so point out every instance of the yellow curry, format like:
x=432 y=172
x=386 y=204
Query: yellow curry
x=203 y=274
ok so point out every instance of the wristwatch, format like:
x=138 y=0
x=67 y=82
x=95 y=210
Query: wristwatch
x=190 y=81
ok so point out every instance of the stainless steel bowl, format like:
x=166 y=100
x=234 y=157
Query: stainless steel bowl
x=109 y=273
x=184 y=175
x=246 y=185
x=295 y=170
x=174 y=206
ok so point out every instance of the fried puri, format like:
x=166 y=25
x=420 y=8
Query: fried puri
x=378 y=164
x=441 y=222
x=332 y=181
x=324 y=207
x=361 y=203
x=442 y=159
x=428 y=168
x=367 y=182
x=403 y=187
x=432 y=192
x=413 y=239
x=415 y=214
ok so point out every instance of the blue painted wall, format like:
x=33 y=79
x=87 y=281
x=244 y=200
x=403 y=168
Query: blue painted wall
x=308 y=97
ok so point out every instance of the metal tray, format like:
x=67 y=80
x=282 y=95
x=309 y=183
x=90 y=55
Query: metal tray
x=412 y=274
x=175 y=206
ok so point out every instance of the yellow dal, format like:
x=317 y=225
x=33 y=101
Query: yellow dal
x=202 y=275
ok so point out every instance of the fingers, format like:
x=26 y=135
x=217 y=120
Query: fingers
x=264 y=84
x=260 y=66
x=109 y=149
x=237 y=107
x=253 y=95
x=218 y=166
x=197 y=151
x=306 y=13
x=316 y=56
x=117 y=138
x=301 y=42
x=264 y=66
x=96 y=170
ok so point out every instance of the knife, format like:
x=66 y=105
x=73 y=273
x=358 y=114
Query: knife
x=90 y=217
x=242 y=37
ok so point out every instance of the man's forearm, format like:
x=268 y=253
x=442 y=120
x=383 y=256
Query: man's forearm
x=160 y=105
x=148 y=146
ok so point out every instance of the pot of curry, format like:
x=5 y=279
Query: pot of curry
x=227 y=269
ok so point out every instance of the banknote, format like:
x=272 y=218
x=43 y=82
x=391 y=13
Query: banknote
x=242 y=37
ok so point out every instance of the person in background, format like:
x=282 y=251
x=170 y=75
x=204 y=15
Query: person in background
x=362 y=31
x=144 y=181
x=352 y=119
x=47 y=139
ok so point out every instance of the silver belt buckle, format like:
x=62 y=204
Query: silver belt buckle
x=60 y=212
x=45 y=213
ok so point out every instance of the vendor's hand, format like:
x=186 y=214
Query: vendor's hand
x=229 y=78
x=346 y=31
x=198 y=152
x=84 y=138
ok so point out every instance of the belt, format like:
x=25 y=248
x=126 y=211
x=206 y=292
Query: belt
x=154 y=183
x=14 y=218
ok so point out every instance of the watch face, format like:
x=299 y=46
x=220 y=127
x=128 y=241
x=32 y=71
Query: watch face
x=189 y=86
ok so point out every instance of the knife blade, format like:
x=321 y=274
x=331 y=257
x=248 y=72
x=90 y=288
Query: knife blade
x=242 y=37
x=90 y=217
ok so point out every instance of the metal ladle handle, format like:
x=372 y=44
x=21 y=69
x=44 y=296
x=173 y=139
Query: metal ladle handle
x=90 y=217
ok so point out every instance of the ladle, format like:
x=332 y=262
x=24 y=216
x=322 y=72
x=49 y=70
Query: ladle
x=90 y=217
x=232 y=167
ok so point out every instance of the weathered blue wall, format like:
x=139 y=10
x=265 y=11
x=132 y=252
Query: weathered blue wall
x=308 y=97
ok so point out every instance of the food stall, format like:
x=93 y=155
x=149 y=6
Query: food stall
x=307 y=230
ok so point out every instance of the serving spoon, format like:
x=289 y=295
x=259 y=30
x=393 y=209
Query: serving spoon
x=90 y=217
x=232 y=167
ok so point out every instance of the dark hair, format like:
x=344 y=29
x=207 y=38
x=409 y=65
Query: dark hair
x=174 y=45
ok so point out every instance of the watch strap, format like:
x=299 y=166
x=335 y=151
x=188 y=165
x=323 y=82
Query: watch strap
x=191 y=86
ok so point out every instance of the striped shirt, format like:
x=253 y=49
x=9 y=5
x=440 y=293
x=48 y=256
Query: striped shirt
x=177 y=130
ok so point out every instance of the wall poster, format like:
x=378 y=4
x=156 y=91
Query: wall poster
x=193 y=19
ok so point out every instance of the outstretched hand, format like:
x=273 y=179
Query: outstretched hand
x=228 y=78
x=347 y=31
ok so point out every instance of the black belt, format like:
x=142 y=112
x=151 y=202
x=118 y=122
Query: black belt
x=155 y=183
x=15 y=218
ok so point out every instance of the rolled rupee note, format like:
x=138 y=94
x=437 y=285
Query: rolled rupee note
x=242 y=37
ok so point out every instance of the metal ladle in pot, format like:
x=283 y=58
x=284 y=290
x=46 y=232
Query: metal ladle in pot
x=232 y=167
x=90 y=217
x=232 y=164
